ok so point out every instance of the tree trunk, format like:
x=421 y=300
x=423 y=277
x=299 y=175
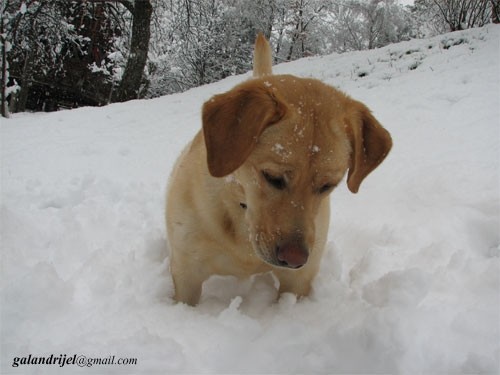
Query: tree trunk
x=297 y=33
x=132 y=76
x=4 y=110
x=495 y=11
x=18 y=104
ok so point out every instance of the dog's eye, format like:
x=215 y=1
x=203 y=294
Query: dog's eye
x=325 y=188
x=276 y=182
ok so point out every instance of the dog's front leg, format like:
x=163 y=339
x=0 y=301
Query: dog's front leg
x=187 y=282
x=188 y=293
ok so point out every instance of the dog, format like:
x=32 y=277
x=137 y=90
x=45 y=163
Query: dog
x=250 y=193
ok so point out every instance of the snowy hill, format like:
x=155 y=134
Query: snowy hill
x=411 y=278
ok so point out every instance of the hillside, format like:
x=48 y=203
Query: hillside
x=410 y=281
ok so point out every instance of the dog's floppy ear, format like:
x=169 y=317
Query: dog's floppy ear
x=370 y=145
x=233 y=122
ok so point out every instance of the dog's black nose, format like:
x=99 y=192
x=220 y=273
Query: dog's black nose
x=292 y=255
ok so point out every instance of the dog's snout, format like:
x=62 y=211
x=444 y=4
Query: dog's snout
x=292 y=255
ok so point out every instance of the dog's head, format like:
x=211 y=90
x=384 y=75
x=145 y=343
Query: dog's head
x=288 y=142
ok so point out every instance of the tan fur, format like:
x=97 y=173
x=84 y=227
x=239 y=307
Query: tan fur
x=223 y=215
x=262 y=57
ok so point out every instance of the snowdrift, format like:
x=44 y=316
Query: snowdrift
x=410 y=281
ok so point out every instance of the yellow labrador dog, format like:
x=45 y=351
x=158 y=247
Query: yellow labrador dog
x=249 y=194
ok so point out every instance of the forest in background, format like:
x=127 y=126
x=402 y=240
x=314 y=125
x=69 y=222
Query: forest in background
x=66 y=54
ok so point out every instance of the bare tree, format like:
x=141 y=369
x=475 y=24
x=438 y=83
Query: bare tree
x=464 y=14
x=4 y=111
x=495 y=11
x=304 y=12
x=130 y=83
x=359 y=24
x=374 y=21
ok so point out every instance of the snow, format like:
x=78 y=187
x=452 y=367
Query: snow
x=410 y=281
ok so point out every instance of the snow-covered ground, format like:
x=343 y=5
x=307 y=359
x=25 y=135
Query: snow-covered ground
x=411 y=278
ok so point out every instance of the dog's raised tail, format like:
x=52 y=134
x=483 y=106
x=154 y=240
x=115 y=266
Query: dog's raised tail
x=262 y=57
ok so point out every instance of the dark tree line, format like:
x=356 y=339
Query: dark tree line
x=57 y=53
